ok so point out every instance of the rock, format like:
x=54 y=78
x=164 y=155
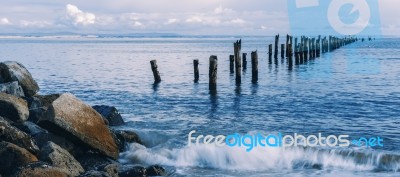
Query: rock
x=13 y=156
x=133 y=170
x=156 y=170
x=13 y=108
x=30 y=128
x=13 y=71
x=71 y=118
x=42 y=136
x=12 y=88
x=98 y=162
x=136 y=171
x=42 y=139
x=39 y=169
x=93 y=173
x=123 y=137
x=111 y=169
x=110 y=114
x=38 y=105
x=61 y=158
x=12 y=134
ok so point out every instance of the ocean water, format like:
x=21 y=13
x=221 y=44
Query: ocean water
x=354 y=90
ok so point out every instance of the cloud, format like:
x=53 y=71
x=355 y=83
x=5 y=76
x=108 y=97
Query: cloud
x=172 y=21
x=78 y=17
x=238 y=21
x=221 y=10
x=194 y=19
x=35 y=24
x=4 y=21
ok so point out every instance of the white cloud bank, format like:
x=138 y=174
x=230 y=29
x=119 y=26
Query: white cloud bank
x=4 y=21
x=78 y=17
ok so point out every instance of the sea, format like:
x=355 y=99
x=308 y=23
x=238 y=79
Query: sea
x=353 y=91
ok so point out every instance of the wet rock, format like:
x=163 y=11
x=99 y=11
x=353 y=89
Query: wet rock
x=133 y=170
x=111 y=169
x=98 y=162
x=93 y=173
x=123 y=137
x=61 y=158
x=12 y=88
x=39 y=169
x=42 y=139
x=156 y=170
x=38 y=105
x=13 y=156
x=13 y=71
x=136 y=171
x=13 y=108
x=110 y=114
x=12 y=134
x=30 y=128
x=71 y=118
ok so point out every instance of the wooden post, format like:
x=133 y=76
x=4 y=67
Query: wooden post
x=156 y=74
x=270 y=53
x=196 y=70
x=237 y=47
x=254 y=67
x=232 y=63
x=287 y=44
x=213 y=73
x=290 y=58
x=283 y=50
x=276 y=46
x=244 y=57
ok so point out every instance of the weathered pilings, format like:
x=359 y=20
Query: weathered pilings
x=276 y=46
x=270 y=52
x=156 y=74
x=238 y=63
x=318 y=47
x=282 y=50
x=232 y=63
x=213 y=73
x=287 y=44
x=196 y=70
x=254 y=67
x=244 y=57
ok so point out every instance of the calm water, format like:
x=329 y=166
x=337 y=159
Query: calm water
x=354 y=90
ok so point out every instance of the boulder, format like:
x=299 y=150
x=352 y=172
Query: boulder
x=134 y=170
x=13 y=108
x=39 y=169
x=98 y=162
x=13 y=71
x=12 y=88
x=61 y=158
x=123 y=137
x=13 y=156
x=42 y=139
x=12 y=134
x=30 y=128
x=137 y=171
x=93 y=173
x=111 y=114
x=38 y=105
x=71 y=118
x=156 y=170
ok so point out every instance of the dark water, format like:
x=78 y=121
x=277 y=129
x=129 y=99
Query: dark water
x=353 y=91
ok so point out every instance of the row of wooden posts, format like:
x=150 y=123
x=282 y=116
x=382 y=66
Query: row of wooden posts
x=307 y=49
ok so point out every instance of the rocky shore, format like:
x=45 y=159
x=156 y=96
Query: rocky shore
x=59 y=135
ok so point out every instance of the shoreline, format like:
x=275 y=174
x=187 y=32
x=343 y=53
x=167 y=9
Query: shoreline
x=59 y=134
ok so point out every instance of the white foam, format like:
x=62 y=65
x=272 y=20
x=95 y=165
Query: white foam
x=259 y=159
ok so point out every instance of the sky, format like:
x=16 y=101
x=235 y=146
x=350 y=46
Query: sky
x=202 y=17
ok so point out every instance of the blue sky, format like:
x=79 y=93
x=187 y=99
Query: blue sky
x=164 y=16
